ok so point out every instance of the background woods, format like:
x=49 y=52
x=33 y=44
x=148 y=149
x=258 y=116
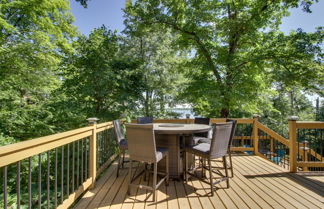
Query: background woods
x=223 y=58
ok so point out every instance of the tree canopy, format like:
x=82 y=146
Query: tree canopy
x=225 y=58
x=236 y=48
x=34 y=37
x=100 y=78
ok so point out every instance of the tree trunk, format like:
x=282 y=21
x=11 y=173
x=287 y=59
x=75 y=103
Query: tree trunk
x=146 y=104
x=292 y=110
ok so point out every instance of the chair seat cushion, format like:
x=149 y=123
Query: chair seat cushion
x=123 y=144
x=200 y=149
x=160 y=153
x=198 y=140
x=195 y=139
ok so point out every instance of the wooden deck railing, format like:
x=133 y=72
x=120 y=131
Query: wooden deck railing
x=53 y=171
x=309 y=145
x=271 y=145
x=303 y=151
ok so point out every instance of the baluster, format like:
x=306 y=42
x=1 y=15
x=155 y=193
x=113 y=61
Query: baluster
x=5 y=191
x=78 y=164
x=39 y=181
x=18 y=183
x=29 y=183
x=104 y=140
x=55 y=180
x=82 y=161
x=62 y=175
x=86 y=158
x=73 y=166
x=48 y=179
x=68 y=171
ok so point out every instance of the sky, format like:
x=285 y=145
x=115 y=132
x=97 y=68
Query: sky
x=109 y=13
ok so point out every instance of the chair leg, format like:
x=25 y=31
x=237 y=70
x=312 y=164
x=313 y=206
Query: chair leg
x=129 y=176
x=118 y=166
x=145 y=171
x=231 y=164
x=167 y=169
x=211 y=178
x=226 y=171
x=154 y=181
x=199 y=162
x=204 y=170
x=123 y=159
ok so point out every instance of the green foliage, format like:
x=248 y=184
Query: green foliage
x=34 y=37
x=84 y=3
x=4 y=140
x=99 y=79
x=283 y=104
x=320 y=111
x=235 y=47
x=160 y=65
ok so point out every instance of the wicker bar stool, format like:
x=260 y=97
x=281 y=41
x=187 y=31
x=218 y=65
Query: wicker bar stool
x=122 y=144
x=142 y=148
x=216 y=149
x=206 y=140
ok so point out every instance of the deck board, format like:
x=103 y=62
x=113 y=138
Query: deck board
x=257 y=183
x=296 y=191
x=273 y=184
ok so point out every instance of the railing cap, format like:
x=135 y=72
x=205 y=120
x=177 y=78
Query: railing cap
x=293 y=118
x=92 y=120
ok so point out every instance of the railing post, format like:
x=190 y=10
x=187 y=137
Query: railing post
x=304 y=153
x=255 y=133
x=93 y=150
x=292 y=143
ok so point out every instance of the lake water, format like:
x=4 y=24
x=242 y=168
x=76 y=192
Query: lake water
x=183 y=112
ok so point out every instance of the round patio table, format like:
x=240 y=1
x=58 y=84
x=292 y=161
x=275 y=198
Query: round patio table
x=174 y=137
x=175 y=128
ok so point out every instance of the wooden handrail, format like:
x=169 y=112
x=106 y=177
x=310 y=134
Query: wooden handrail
x=106 y=124
x=310 y=164
x=15 y=156
x=310 y=125
x=272 y=133
x=315 y=154
x=39 y=141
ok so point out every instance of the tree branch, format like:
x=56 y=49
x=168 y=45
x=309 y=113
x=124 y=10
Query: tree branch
x=201 y=46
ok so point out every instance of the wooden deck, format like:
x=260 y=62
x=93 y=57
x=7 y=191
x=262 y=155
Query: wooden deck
x=257 y=183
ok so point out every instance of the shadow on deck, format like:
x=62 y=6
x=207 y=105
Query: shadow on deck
x=257 y=183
